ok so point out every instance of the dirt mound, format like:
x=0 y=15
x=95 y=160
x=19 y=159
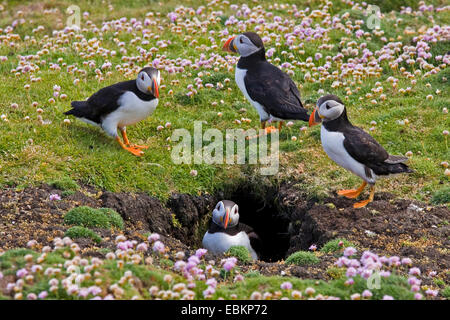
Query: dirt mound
x=284 y=216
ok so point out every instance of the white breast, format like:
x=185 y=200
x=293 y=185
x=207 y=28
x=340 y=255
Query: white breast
x=220 y=242
x=131 y=110
x=333 y=144
x=239 y=76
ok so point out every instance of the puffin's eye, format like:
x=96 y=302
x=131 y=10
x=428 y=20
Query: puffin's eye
x=142 y=77
x=328 y=107
x=241 y=41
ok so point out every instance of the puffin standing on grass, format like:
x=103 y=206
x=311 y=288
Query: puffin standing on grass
x=120 y=105
x=225 y=231
x=271 y=91
x=352 y=148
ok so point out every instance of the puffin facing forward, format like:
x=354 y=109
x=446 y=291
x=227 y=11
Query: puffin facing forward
x=226 y=231
x=120 y=105
x=271 y=91
x=352 y=148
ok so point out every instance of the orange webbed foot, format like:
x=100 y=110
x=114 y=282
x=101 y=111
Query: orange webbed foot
x=137 y=152
x=138 y=146
x=362 y=204
x=350 y=193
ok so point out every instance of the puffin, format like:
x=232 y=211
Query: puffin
x=225 y=231
x=120 y=105
x=353 y=149
x=270 y=90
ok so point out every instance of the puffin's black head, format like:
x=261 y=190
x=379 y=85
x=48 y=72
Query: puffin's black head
x=329 y=107
x=148 y=81
x=244 y=44
x=226 y=214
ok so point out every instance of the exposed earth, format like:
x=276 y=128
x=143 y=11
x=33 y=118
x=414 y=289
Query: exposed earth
x=286 y=221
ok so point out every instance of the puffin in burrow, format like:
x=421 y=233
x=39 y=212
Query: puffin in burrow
x=226 y=231
x=120 y=105
x=271 y=91
x=352 y=148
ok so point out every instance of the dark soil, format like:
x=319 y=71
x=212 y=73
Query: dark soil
x=283 y=217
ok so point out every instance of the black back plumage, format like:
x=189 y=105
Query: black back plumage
x=271 y=87
x=105 y=101
x=364 y=148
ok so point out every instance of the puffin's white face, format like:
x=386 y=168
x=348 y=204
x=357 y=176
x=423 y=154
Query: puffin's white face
x=226 y=214
x=148 y=81
x=330 y=110
x=242 y=45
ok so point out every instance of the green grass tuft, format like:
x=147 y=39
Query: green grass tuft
x=240 y=252
x=441 y=196
x=302 y=258
x=65 y=184
x=333 y=245
x=82 y=232
x=114 y=218
x=93 y=218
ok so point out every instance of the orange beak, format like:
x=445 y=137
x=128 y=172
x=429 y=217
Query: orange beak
x=229 y=46
x=227 y=216
x=314 y=118
x=156 y=91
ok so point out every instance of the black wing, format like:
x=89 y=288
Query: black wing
x=363 y=147
x=255 y=241
x=275 y=91
x=105 y=100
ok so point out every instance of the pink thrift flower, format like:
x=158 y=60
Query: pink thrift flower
x=158 y=246
x=200 y=252
x=286 y=285
x=349 y=251
x=367 y=294
x=153 y=237
x=54 y=197
x=414 y=271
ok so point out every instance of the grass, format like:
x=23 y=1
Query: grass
x=82 y=232
x=32 y=152
x=333 y=245
x=239 y=252
x=88 y=217
x=302 y=258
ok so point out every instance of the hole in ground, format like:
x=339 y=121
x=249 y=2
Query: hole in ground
x=280 y=224
x=270 y=225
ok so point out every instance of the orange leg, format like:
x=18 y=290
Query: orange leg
x=125 y=140
x=280 y=124
x=352 y=193
x=135 y=151
x=364 y=203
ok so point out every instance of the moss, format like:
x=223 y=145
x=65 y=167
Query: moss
x=94 y=218
x=65 y=184
x=336 y=273
x=446 y=292
x=82 y=232
x=442 y=196
x=302 y=258
x=252 y=274
x=333 y=245
x=87 y=217
x=240 y=252
x=114 y=218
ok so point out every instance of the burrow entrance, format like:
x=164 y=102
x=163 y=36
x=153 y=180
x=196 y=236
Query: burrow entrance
x=259 y=207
